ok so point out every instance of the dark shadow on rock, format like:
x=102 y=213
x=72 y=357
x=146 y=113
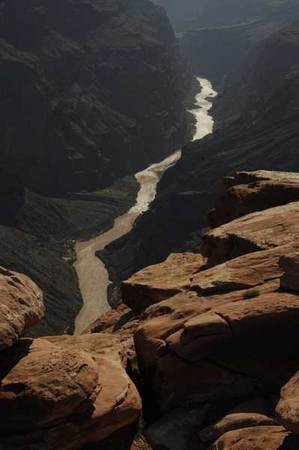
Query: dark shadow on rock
x=291 y=442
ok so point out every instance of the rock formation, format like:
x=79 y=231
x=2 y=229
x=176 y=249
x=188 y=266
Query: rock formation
x=217 y=351
x=57 y=393
x=210 y=339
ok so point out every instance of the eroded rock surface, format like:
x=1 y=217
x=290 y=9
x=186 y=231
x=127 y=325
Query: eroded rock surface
x=161 y=281
x=64 y=392
x=256 y=231
x=21 y=306
x=247 y=192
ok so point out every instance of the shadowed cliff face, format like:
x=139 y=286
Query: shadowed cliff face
x=89 y=90
x=265 y=135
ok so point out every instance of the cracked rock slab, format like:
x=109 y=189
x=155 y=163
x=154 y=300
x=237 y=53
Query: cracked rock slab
x=161 y=281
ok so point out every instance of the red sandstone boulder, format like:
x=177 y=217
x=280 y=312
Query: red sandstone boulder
x=64 y=392
x=165 y=319
x=156 y=283
x=244 y=272
x=223 y=348
x=247 y=192
x=21 y=306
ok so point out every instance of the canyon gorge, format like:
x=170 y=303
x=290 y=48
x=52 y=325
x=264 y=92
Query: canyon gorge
x=149 y=189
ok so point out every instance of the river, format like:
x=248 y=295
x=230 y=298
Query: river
x=92 y=274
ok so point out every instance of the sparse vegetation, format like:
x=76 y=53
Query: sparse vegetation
x=251 y=294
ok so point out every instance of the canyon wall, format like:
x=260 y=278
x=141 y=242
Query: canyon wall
x=90 y=91
x=261 y=132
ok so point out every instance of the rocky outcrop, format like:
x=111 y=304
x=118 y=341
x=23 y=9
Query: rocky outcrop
x=156 y=283
x=216 y=353
x=21 y=306
x=244 y=272
x=57 y=392
x=246 y=192
x=213 y=350
x=88 y=97
x=273 y=227
x=71 y=391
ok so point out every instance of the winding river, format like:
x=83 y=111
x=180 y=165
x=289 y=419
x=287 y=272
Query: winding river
x=92 y=274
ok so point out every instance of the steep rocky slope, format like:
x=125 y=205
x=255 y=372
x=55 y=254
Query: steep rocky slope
x=90 y=90
x=215 y=334
x=210 y=339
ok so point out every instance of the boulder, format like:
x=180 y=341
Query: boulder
x=259 y=438
x=156 y=283
x=252 y=413
x=161 y=321
x=262 y=318
x=244 y=272
x=218 y=344
x=247 y=192
x=21 y=306
x=288 y=405
x=261 y=230
x=64 y=392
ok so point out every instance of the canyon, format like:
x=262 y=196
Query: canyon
x=209 y=338
x=92 y=274
x=89 y=97
x=149 y=193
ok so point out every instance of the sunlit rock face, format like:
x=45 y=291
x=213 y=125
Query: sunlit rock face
x=89 y=91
